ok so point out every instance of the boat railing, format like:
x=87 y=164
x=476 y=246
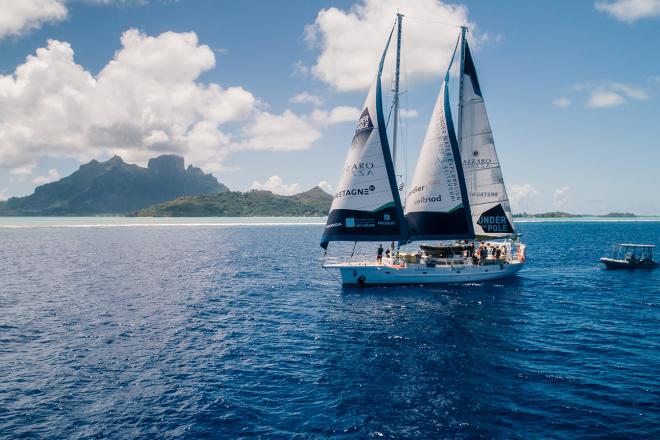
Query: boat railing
x=369 y=260
x=354 y=260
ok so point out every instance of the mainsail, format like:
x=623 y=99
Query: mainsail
x=436 y=206
x=367 y=206
x=491 y=213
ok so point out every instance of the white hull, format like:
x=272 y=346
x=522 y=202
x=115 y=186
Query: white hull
x=361 y=273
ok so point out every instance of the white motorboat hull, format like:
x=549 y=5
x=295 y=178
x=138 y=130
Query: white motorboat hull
x=361 y=274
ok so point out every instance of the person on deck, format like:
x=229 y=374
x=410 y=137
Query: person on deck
x=379 y=256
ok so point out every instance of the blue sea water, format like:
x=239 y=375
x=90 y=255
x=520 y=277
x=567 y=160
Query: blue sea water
x=222 y=330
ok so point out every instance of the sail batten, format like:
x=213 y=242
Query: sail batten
x=367 y=206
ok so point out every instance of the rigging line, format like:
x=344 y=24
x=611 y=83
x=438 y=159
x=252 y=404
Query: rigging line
x=433 y=21
x=332 y=274
x=405 y=127
x=387 y=123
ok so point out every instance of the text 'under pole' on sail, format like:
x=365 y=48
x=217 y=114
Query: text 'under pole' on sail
x=489 y=203
x=437 y=204
x=367 y=206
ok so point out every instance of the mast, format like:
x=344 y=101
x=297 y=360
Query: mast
x=399 y=20
x=460 y=87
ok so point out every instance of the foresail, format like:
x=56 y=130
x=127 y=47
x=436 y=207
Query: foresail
x=367 y=206
x=436 y=205
x=491 y=213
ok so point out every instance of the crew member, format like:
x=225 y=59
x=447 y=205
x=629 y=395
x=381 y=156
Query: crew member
x=379 y=256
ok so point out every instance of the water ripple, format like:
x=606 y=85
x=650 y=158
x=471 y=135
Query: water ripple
x=235 y=332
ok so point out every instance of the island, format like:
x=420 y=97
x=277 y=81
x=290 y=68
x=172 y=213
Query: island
x=561 y=214
x=255 y=203
x=114 y=187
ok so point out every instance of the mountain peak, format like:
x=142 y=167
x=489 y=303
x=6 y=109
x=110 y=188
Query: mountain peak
x=167 y=163
x=115 y=187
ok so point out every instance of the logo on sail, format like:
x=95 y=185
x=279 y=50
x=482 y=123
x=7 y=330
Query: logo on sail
x=494 y=221
x=363 y=130
x=479 y=163
x=360 y=169
x=355 y=192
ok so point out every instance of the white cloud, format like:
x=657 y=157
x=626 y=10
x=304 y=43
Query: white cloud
x=562 y=102
x=630 y=91
x=578 y=87
x=610 y=94
x=21 y=173
x=307 y=98
x=51 y=176
x=325 y=186
x=21 y=16
x=337 y=115
x=605 y=98
x=630 y=10
x=521 y=196
x=147 y=100
x=275 y=185
x=4 y=194
x=351 y=41
x=408 y=113
x=285 y=132
x=300 y=68
x=561 y=197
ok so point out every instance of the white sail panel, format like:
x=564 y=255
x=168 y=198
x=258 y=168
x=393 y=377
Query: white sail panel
x=435 y=207
x=364 y=184
x=366 y=205
x=489 y=203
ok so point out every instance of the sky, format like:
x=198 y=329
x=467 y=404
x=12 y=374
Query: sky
x=266 y=95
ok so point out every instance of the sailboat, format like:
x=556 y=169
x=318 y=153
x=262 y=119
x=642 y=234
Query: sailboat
x=456 y=200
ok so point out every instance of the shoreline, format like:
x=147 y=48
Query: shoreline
x=169 y=222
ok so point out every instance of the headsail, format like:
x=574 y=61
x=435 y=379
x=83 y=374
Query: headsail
x=489 y=203
x=367 y=206
x=436 y=206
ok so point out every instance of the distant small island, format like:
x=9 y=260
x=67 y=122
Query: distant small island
x=560 y=214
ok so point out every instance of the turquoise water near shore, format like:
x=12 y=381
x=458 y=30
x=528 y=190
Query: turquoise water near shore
x=228 y=328
x=118 y=221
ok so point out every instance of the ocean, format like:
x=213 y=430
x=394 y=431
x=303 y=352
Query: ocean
x=229 y=328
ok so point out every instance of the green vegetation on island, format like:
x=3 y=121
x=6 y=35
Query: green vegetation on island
x=560 y=214
x=312 y=203
x=114 y=187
